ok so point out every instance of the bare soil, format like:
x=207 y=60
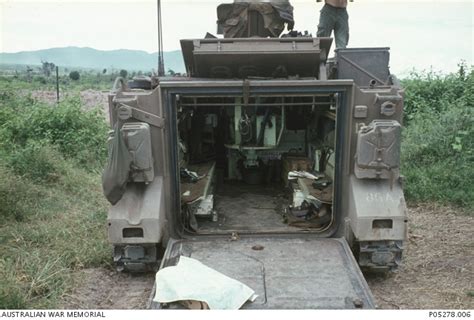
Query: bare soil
x=103 y=288
x=437 y=271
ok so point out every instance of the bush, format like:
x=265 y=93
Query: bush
x=74 y=75
x=438 y=149
x=52 y=211
x=429 y=92
x=41 y=79
x=77 y=135
x=18 y=198
x=37 y=161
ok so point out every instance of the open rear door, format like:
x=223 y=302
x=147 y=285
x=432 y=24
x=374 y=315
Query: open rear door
x=286 y=273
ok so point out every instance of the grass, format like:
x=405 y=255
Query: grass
x=66 y=232
x=52 y=211
x=438 y=149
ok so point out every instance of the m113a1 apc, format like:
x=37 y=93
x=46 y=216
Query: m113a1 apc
x=269 y=161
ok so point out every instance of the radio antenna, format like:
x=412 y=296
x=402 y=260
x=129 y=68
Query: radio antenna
x=161 y=62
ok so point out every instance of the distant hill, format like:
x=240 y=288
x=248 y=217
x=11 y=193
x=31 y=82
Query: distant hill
x=96 y=59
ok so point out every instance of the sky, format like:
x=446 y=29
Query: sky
x=422 y=34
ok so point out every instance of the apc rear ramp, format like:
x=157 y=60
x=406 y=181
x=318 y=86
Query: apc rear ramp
x=286 y=273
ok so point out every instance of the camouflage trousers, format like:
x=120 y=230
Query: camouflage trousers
x=336 y=19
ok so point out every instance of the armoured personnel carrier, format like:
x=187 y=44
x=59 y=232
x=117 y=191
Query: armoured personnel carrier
x=268 y=162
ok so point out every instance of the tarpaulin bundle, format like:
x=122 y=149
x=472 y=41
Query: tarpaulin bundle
x=117 y=170
x=233 y=19
x=191 y=280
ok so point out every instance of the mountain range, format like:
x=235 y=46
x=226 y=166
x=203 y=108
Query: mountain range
x=96 y=59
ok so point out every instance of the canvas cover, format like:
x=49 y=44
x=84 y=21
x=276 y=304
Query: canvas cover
x=191 y=280
x=233 y=18
x=117 y=170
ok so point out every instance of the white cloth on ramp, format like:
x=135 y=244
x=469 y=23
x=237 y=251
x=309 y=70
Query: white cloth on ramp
x=192 y=280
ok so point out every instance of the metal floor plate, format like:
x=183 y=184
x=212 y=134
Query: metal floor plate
x=246 y=208
x=287 y=273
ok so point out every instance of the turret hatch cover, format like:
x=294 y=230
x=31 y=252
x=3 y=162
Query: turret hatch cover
x=259 y=57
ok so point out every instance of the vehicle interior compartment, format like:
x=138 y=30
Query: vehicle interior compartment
x=257 y=164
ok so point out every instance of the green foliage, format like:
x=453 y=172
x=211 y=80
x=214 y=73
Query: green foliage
x=74 y=75
x=36 y=161
x=48 y=67
x=40 y=80
x=64 y=232
x=52 y=211
x=429 y=92
x=17 y=197
x=36 y=80
x=28 y=125
x=438 y=148
x=46 y=145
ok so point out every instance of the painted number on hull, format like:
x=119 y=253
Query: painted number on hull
x=379 y=197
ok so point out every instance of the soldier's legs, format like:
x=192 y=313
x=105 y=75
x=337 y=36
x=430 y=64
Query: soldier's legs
x=341 y=29
x=327 y=21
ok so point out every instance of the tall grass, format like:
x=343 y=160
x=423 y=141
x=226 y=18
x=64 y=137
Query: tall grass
x=52 y=212
x=438 y=140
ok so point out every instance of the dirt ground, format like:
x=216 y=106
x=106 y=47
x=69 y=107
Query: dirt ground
x=107 y=289
x=437 y=271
